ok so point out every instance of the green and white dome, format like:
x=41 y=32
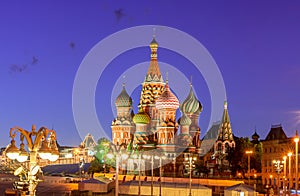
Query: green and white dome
x=185 y=120
x=191 y=104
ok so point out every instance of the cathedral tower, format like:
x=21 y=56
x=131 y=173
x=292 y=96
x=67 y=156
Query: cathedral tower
x=152 y=87
x=123 y=126
x=225 y=138
x=192 y=108
x=167 y=104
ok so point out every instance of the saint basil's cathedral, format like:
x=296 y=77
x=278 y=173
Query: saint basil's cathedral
x=155 y=125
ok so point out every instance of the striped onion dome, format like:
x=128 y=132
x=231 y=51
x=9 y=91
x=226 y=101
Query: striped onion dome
x=191 y=104
x=167 y=99
x=123 y=100
x=141 y=117
x=185 y=120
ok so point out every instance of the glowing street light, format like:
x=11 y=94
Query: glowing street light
x=249 y=152
x=278 y=167
x=191 y=165
x=284 y=175
x=255 y=177
x=160 y=169
x=296 y=140
x=147 y=156
x=290 y=173
x=38 y=144
x=116 y=151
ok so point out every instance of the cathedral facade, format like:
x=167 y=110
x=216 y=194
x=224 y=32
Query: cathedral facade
x=155 y=125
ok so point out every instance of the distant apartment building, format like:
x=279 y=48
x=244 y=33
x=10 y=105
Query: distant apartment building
x=275 y=147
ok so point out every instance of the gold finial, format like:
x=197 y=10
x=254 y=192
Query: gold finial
x=191 y=82
x=225 y=104
x=154 y=32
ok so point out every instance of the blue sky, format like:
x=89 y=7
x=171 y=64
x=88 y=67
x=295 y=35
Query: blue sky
x=254 y=43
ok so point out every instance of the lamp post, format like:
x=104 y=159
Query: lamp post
x=41 y=142
x=147 y=156
x=278 y=167
x=138 y=158
x=271 y=179
x=117 y=152
x=296 y=140
x=290 y=174
x=249 y=152
x=190 y=160
x=284 y=176
x=255 y=177
x=160 y=170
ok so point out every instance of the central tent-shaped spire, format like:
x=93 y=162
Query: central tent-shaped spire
x=153 y=85
x=153 y=73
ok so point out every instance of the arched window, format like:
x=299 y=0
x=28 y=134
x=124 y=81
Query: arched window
x=227 y=147
x=219 y=146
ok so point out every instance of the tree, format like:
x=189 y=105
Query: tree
x=238 y=158
x=96 y=166
x=101 y=150
x=201 y=168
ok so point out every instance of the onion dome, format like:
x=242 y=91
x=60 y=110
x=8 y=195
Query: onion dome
x=141 y=117
x=185 y=120
x=153 y=43
x=123 y=100
x=191 y=104
x=167 y=99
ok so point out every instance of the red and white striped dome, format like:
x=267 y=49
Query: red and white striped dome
x=167 y=100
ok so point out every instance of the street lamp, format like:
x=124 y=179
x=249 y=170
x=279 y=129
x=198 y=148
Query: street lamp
x=138 y=158
x=255 y=177
x=160 y=170
x=290 y=173
x=271 y=179
x=117 y=152
x=249 y=152
x=296 y=140
x=284 y=176
x=278 y=167
x=147 y=156
x=190 y=165
x=38 y=144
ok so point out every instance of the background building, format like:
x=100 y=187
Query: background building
x=275 y=147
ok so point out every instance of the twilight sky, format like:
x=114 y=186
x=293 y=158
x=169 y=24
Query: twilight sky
x=255 y=44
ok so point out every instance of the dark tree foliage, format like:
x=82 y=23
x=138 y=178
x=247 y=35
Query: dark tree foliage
x=238 y=158
x=201 y=168
x=95 y=167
